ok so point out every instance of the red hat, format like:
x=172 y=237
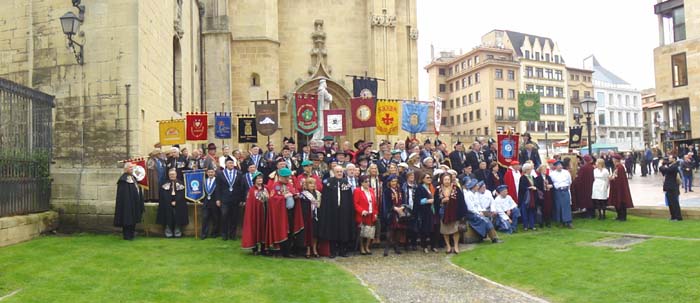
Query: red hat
x=514 y=163
x=551 y=161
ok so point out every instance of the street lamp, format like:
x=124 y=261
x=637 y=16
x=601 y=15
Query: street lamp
x=588 y=104
x=70 y=23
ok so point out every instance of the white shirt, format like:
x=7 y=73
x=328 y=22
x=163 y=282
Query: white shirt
x=501 y=205
x=369 y=199
x=560 y=179
x=486 y=200
x=516 y=178
x=472 y=201
x=600 y=184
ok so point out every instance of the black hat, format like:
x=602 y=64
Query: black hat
x=458 y=142
x=427 y=141
x=527 y=135
x=291 y=141
x=211 y=146
x=340 y=152
x=437 y=141
x=176 y=145
x=359 y=143
x=285 y=139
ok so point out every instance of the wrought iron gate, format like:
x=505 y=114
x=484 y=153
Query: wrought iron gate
x=25 y=149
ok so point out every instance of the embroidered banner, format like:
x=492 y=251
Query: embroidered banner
x=364 y=87
x=575 y=137
x=196 y=126
x=172 y=132
x=306 y=113
x=140 y=172
x=437 y=115
x=507 y=148
x=267 y=117
x=387 y=117
x=334 y=122
x=222 y=125
x=415 y=117
x=194 y=185
x=247 y=132
x=529 y=106
x=363 y=112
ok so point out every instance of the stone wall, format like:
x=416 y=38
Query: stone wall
x=24 y=228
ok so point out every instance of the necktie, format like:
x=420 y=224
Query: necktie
x=250 y=180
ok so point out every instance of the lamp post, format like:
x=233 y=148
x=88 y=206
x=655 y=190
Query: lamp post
x=588 y=104
x=70 y=23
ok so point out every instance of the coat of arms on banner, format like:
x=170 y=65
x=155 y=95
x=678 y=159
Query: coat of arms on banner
x=267 y=117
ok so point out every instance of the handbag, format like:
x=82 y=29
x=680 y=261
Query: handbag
x=406 y=214
x=367 y=231
x=462 y=226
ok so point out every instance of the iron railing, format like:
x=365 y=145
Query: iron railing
x=25 y=149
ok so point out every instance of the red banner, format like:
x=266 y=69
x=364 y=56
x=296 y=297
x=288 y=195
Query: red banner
x=306 y=113
x=139 y=172
x=508 y=145
x=334 y=122
x=196 y=126
x=363 y=112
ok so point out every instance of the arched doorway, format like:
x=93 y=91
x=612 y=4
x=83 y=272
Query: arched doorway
x=341 y=100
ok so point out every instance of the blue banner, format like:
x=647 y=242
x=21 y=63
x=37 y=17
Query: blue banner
x=222 y=125
x=415 y=117
x=194 y=185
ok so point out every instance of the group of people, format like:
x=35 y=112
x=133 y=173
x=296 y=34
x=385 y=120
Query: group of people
x=334 y=199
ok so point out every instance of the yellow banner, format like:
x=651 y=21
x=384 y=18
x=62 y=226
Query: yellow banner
x=388 y=117
x=172 y=132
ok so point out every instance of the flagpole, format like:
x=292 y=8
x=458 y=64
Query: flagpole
x=196 y=233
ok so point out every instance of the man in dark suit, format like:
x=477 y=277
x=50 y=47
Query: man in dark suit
x=474 y=156
x=483 y=172
x=255 y=158
x=383 y=164
x=458 y=157
x=530 y=153
x=230 y=197
x=210 y=211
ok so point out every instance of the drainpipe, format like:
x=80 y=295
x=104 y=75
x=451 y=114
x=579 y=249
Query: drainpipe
x=128 y=116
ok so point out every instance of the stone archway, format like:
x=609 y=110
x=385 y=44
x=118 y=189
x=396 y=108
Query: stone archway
x=341 y=100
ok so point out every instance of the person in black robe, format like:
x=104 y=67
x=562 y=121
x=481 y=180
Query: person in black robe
x=129 y=206
x=172 y=208
x=211 y=213
x=336 y=214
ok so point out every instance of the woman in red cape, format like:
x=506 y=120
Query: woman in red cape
x=620 y=196
x=277 y=223
x=310 y=199
x=366 y=210
x=254 y=217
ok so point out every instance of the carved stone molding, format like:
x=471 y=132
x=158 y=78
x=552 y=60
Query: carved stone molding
x=413 y=34
x=177 y=24
x=319 y=53
x=384 y=20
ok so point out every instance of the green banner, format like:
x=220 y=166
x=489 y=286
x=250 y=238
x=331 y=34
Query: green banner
x=529 y=106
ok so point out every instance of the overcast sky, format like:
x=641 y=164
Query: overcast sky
x=622 y=34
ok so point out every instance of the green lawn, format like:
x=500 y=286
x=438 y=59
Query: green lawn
x=558 y=265
x=89 y=268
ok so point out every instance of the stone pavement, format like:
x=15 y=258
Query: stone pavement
x=419 y=277
x=648 y=191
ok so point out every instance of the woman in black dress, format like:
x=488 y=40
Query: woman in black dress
x=423 y=210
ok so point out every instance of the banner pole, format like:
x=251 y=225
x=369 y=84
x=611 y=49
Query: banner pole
x=196 y=233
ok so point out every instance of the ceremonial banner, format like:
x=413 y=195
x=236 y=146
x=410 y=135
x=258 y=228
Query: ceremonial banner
x=363 y=112
x=437 y=115
x=194 y=184
x=334 y=122
x=387 y=117
x=306 y=113
x=267 y=118
x=172 y=132
x=507 y=148
x=222 y=125
x=575 y=137
x=197 y=126
x=415 y=117
x=529 y=106
x=247 y=132
x=139 y=172
x=364 y=87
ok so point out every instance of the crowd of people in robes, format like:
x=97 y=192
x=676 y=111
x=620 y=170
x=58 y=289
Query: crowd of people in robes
x=336 y=200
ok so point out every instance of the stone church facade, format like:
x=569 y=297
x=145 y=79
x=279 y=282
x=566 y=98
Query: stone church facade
x=146 y=61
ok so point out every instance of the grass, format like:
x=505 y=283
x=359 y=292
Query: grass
x=103 y=268
x=558 y=265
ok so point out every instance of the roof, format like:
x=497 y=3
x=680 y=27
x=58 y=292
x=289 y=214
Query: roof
x=517 y=39
x=602 y=74
x=652 y=105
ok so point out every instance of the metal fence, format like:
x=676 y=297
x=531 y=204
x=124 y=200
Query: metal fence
x=25 y=149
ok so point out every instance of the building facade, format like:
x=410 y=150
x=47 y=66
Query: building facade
x=580 y=86
x=677 y=69
x=654 y=124
x=146 y=61
x=479 y=91
x=542 y=70
x=619 y=109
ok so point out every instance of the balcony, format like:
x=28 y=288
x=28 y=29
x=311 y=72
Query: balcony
x=506 y=119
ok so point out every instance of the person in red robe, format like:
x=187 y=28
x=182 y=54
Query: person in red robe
x=281 y=199
x=620 y=196
x=307 y=167
x=310 y=199
x=254 y=217
x=584 y=187
x=366 y=212
x=512 y=179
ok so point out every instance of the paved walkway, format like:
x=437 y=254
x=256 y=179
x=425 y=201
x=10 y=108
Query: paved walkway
x=648 y=191
x=420 y=277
